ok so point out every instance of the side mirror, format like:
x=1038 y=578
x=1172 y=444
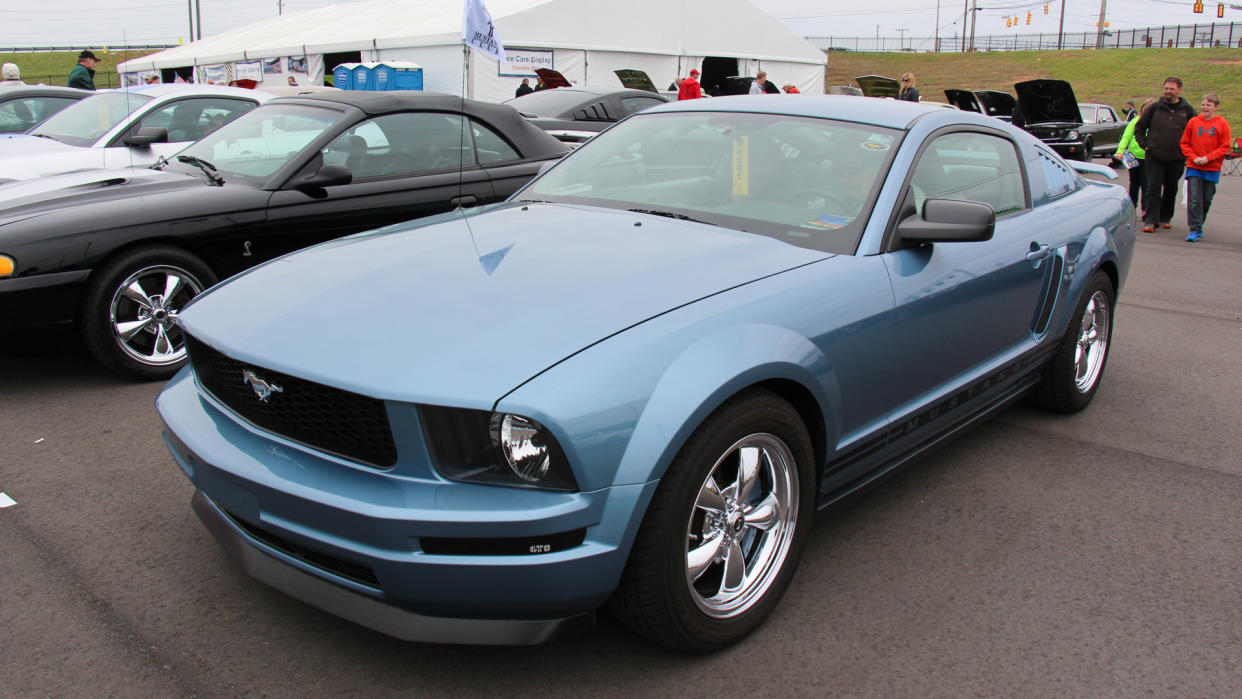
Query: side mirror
x=146 y=136
x=329 y=175
x=948 y=221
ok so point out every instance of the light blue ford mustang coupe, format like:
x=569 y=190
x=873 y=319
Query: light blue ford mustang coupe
x=633 y=383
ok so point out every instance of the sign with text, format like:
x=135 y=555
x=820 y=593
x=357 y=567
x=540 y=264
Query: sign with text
x=521 y=63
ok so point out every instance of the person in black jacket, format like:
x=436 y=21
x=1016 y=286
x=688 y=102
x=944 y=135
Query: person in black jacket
x=1159 y=132
x=908 y=91
x=524 y=88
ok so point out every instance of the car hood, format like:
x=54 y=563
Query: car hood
x=996 y=103
x=460 y=312
x=635 y=80
x=20 y=200
x=878 y=85
x=26 y=156
x=963 y=100
x=1048 y=101
x=552 y=78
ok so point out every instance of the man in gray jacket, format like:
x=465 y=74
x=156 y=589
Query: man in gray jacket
x=1159 y=132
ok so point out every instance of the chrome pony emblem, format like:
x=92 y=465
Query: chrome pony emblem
x=262 y=388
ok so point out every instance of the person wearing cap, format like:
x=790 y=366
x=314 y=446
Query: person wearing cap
x=83 y=74
x=690 y=89
x=11 y=75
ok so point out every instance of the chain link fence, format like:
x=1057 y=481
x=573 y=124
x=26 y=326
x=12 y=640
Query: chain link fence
x=1178 y=36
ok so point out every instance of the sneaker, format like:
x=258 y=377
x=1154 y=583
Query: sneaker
x=1147 y=228
x=1166 y=225
x=1194 y=237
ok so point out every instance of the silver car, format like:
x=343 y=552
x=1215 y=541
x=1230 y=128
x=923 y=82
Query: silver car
x=123 y=128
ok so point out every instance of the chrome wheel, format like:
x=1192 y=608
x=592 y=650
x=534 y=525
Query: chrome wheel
x=143 y=313
x=1092 y=345
x=742 y=525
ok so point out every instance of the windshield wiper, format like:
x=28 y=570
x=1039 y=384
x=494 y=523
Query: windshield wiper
x=208 y=169
x=667 y=214
x=43 y=135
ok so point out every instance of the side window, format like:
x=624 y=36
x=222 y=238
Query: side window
x=409 y=143
x=491 y=147
x=1058 y=179
x=20 y=114
x=1106 y=116
x=190 y=120
x=629 y=105
x=973 y=167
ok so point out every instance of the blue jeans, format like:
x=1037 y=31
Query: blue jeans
x=1199 y=193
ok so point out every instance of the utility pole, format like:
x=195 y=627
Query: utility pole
x=936 y=41
x=198 y=17
x=974 y=12
x=1061 y=29
x=1099 y=26
x=189 y=7
x=280 y=7
x=966 y=11
x=901 y=32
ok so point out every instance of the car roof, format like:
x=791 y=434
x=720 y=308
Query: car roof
x=12 y=91
x=894 y=114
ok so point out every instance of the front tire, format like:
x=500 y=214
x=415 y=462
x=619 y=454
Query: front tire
x=725 y=529
x=128 y=316
x=1077 y=366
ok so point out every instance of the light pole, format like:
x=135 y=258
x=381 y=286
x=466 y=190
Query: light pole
x=1099 y=26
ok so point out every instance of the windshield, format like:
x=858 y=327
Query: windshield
x=257 y=144
x=805 y=181
x=84 y=122
x=551 y=102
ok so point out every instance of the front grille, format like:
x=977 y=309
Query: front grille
x=336 y=421
x=349 y=570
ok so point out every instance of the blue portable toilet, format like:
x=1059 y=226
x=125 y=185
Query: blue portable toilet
x=343 y=76
x=362 y=78
x=398 y=75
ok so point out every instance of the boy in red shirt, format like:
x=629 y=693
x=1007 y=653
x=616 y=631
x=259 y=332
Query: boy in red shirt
x=1204 y=143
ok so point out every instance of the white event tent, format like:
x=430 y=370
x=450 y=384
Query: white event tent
x=585 y=40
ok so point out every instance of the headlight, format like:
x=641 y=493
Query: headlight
x=1072 y=136
x=7 y=265
x=500 y=448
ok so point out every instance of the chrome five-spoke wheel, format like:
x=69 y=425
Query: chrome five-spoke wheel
x=144 y=312
x=1092 y=345
x=742 y=525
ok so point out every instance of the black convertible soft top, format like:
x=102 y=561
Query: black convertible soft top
x=531 y=140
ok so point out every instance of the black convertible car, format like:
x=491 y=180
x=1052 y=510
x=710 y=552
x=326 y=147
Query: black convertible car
x=120 y=252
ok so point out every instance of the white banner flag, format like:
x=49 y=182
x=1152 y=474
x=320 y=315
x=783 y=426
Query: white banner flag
x=478 y=32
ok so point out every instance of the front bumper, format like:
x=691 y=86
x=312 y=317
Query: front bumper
x=349 y=539
x=40 y=300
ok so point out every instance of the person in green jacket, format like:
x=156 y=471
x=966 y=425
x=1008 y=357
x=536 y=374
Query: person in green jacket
x=83 y=74
x=1138 y=180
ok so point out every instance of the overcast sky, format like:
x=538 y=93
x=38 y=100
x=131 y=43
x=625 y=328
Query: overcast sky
x=113 y=22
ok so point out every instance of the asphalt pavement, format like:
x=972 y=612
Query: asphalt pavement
x=1096 y=554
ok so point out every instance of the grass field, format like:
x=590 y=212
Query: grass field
x=1109 y=77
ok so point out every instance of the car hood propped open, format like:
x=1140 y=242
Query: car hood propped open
x=450 y=313
x=1047 y=101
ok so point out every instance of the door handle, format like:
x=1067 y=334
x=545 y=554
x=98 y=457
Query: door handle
x=464 y=201
x=1038 y=252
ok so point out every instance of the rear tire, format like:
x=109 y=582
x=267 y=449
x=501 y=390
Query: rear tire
x=1077 y=366
x=128 y=313
x=725 y=529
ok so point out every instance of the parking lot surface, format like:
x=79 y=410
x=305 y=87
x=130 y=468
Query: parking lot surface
x=1084 y=555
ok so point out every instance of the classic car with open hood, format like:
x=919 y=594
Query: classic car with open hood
x=635 y=381
x=1051 y=113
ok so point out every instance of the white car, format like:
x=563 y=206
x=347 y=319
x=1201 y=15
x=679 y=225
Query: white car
x=131 y=127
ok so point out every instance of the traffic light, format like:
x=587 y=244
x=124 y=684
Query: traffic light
x=1220 y=11
x=1198 y=8
x=1045 y=9
x=1028 y=16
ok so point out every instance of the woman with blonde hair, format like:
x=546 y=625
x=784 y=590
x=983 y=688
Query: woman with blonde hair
x=909 y=92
